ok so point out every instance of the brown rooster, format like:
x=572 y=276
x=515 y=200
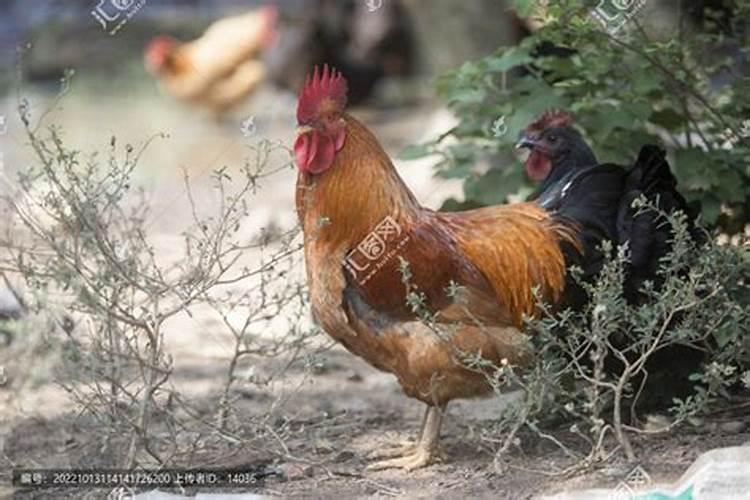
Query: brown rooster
x=475 y=272
x=221 y=68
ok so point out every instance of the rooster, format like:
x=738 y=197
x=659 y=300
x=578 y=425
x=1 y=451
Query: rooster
x=220 y=69
x=376 y=261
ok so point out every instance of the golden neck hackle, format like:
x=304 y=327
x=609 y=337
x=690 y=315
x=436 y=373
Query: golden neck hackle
x=362 y=187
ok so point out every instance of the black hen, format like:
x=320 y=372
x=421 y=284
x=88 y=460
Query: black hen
x=647 y=234
x=599 y=198
x=365 y=46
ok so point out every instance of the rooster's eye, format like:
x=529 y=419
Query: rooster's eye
x=552 y=138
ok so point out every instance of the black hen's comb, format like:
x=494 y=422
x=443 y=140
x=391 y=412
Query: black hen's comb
x=550 y=118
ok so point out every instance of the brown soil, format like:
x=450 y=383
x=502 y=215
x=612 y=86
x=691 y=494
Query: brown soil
x=342 y=414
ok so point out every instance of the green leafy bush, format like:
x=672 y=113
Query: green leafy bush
x=624 y=90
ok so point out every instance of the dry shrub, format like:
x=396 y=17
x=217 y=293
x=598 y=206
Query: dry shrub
x=102 y=298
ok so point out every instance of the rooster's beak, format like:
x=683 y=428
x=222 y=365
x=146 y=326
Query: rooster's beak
x=525 y=142
x=303 y=129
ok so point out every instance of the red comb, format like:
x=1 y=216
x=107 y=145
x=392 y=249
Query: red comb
x=550 y=118
x=160 y=43
x=157 y=52
x=326 y=85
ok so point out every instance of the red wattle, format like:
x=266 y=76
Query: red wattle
x=301 y=151
x=314 y=152
x=538 y=166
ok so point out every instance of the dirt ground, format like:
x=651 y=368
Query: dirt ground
x=342 y=414
x=336 y=410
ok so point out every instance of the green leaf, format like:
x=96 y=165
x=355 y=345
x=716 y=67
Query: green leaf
x=511 y=58
x=619 y=98
x=710 y=209
x=467 y=96
x=729 y=188
x=668 y=118
x=415 y=151
x=453 y=205
x=524 y=7
x=494 y=187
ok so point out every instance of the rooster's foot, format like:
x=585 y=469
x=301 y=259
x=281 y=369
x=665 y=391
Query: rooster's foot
x=418 y=458
x=410 y=456
x=397 y=449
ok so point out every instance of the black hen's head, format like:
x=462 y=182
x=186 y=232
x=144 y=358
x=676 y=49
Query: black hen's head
x=555 y=147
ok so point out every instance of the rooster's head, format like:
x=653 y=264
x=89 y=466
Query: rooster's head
x=551 y=141
x=320 y=118
x=158 y=52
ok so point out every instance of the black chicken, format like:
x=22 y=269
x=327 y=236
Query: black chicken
x=559 y=156
x=366 y=44
x=567 y=170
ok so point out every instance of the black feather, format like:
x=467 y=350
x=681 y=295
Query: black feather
x=598 y=201
x=587 y=198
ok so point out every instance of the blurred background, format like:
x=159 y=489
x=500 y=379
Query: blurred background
x=99 y=69
x=213 y=74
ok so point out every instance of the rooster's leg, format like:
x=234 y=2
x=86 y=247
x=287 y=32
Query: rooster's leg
x=403 y=447
x=425 y=451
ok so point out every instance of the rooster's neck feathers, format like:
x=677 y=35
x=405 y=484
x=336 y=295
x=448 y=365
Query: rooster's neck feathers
x=357 y=192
